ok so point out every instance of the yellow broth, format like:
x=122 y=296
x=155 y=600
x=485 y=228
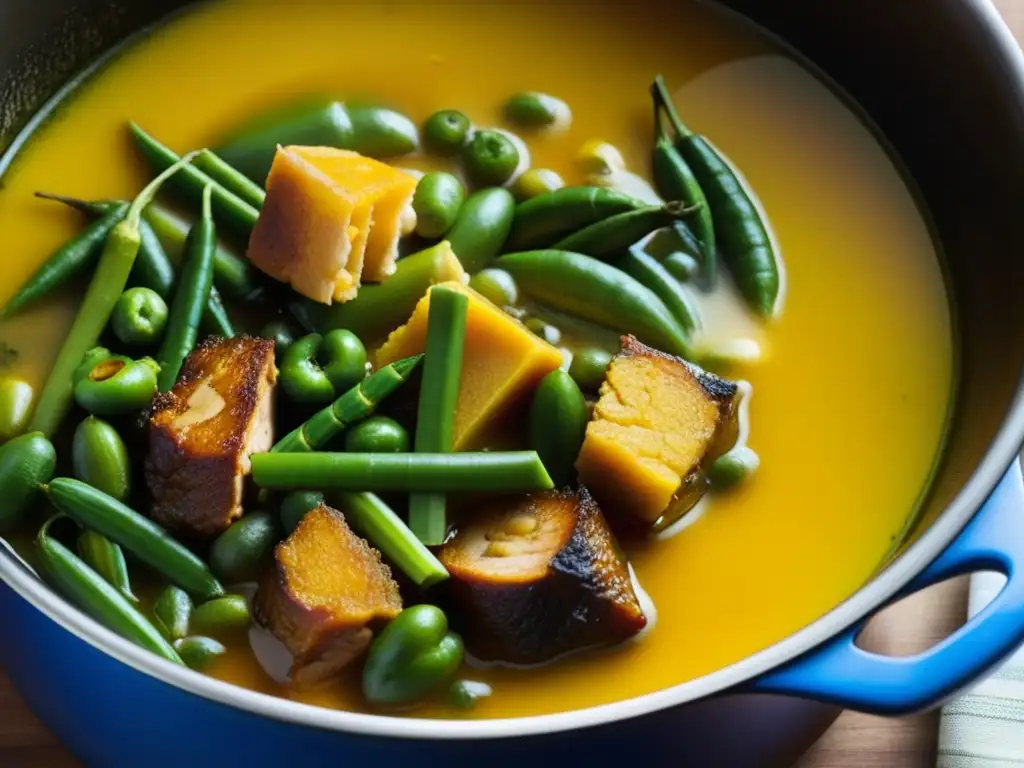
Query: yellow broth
x=849 y=401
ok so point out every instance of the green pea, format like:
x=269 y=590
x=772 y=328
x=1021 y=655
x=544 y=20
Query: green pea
x=238 y=554
x=346 y=359
x=437 y=201
x=681 y=266
x=280 y=333
x=445 y=132
x=377 y=434
x=295 y=505
x=464 y=694
x=537 y=110
x=199 y=653
x=546 y=331
x=497 y=286
x=490 y=158
x=222 y=616
x=172 y=612
x=733 y=468
x=99 y=457
x=26 y=462
x=16 y=399
x=536 y=182
x=588 y=368
x=139 y=317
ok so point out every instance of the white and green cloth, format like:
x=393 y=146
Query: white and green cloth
x=985 y=727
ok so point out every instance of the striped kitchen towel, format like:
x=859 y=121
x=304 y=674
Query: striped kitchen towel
x=985 y=727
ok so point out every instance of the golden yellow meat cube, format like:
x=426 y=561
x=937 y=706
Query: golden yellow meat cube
x=502 y=364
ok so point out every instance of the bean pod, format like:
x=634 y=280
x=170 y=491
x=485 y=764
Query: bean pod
x=558 y=421
x=482 y=227
x=546 y=219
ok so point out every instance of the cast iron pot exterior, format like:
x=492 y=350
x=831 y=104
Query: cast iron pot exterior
x=944 y=81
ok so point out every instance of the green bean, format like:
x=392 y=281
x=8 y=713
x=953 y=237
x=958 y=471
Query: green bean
x=558 y=420
x=496 y=286
x=99 y=457
x=215 y=318
x=486 y=471
x=595 y=291
x=107 y=559
x=610 y=237
x=172 y=612
x=190 y=298
x=741 y=232
x=588 y=368
x=25 y=462
x=222 y=616
x=437 y=201
x=490 y=158
x=239 y=554
x=372 y=518
x=649 y=272
x=480 y=231
x=445 y=132
x=107 y=285
x=94 y=595
x=439 y=394
x=16 y=398
x=199 y=652
x=548 y=218
x=377 y=434
x=67 y=262
x=296 y=505
x=233 y=181
x=353 y=406
x=537 y=110
x=733 y=468
x=190 y=181
x=150 y=543
x=379 y=309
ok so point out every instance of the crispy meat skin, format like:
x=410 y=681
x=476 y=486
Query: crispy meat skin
x=202 y=432
x=524 y=595
x=323 y=592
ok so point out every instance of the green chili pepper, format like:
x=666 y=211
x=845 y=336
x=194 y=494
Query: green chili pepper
x=437 y=201
x=296 y=505
x=150 y=543
x=413 y=656
x=239 y=554
x=378 y=434
x=190 y=298
x=198 y=652
x=99 y=457
x=379 y=309
x=746 y=245
x=588 y=368
x=733 y=468
x=139 y=316
x=490 y=158
x=609 y=237
x=445 y=132
x=480 y=231
x=67 y=262
x=172 y=612
x=558 y=419
x=222 y=616
x=439 y=393
x=648 y=271
x=497 y=286
x=370 y=130
x=548 y=218
x=191 y=183
x=26 y=461
x=116 y=385
x=282 y=335
x=353 y=406
x=595 y=291
x=229 y=178
x=537 y=110
x=107 y=559
x=307 y=381
x=375 y=520
x=536 y=182
x=94 y=595
x=107 y=285
x=16 y=398
x=485 y=471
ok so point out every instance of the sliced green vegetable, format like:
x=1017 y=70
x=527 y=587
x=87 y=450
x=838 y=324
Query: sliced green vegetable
x=116 y=385
x=199 y=653
x=222 y=616
x=377 y=434
x=99 y=457
x=229 y=178
x=481 y=229
x=172 y=612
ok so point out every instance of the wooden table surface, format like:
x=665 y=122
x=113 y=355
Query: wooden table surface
x=855 y=741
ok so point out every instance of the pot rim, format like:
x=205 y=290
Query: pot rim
x=1001 y=453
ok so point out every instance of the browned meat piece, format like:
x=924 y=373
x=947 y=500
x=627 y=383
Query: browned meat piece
x=202 y=432
x=537 y=576
x=324 y=591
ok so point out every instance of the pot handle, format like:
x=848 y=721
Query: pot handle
x=839 y=672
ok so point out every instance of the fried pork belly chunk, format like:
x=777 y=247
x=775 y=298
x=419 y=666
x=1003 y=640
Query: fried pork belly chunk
x=659 y=419
x=202 y=432
x=534 y=577
x=323 y=594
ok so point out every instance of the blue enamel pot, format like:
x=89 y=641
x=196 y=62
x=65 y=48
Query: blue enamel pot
x=944 y=82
